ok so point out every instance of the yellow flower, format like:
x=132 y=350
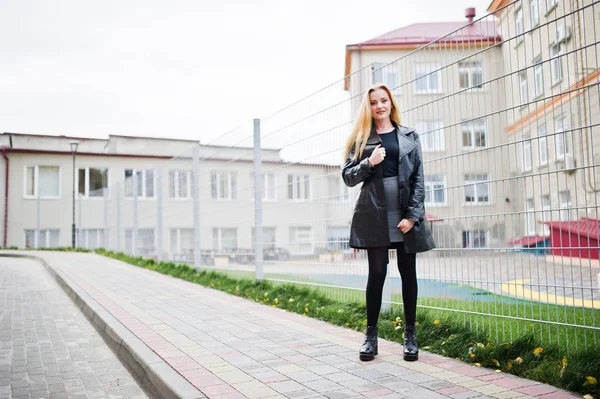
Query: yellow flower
x=266 y=294
x=498 y=371
x=212 y=285
x=291 y=300
x=538 y=350
x=519 y=360
x=436 y=322
x=588 y=396
x=472 y=355
x=589 y=380
x=276 y=300
x=347 y=324
x=306 y=310
x=497 y=363
x=398 y=327
x=478 y=364
x=417 y=323
x=480 y=345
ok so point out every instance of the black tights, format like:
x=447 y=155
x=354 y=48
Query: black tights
x=378 y=260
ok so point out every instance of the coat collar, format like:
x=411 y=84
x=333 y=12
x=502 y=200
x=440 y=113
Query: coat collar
x=405 y=144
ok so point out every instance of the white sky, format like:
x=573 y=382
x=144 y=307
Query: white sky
x=190 y=69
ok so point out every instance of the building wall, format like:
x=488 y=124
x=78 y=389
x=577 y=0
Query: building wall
x=574 y=172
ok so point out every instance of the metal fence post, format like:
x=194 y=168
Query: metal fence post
x=196 y=199
x=105 y=237
x=159 y=215
x=79 y=226
x=258 y=193
x=134 y=232
x=118 y=216
x=37 y=226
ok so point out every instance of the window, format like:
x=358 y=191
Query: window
x=268 y=237
x=144 y=188
x=550 y=4
x=477 y=189
x=470 y=74
x=144 y=242
x=555 y=63
x=301 y=240
x=298 y=187
x=527 y=156
x=538 y=77
x=435 y=190
x=475 y=239
x=542 y=145
x=519 y=25
x=529 y=217
x=387 y=75
x=523 y=97
x=180 y=184
x=546 y=213
x=431 y=135
x=474 y=134
x=534 y=12
x=428 y=79
x=338 y=238
x=225 y=239
x=560 y=137
x=223 y=185
x=47 y=238
x=91 y=182
x=338 y=191
x=43 y=181
x=181 y=244
x=268 y=185
x=564 y=204
x=89 y=238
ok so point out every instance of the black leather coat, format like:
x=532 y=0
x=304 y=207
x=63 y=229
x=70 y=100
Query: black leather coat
x=369 y=223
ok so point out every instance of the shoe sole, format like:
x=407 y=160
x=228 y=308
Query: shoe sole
x=367 y=357
x=411 y=358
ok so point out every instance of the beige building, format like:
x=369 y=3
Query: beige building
x=136 y=195
x=552 y=111
x=448 y=91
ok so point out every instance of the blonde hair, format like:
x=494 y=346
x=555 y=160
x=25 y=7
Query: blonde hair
x=357 y=141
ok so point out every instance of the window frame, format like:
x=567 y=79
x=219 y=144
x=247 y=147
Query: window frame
x=265 y=191
x=428 y=129
x=295 y=180
x=36 y=182
x=426 y=69
x=86 y=194
x=523 y=88
x=530 y=225
x=546 y=213
x=560 y=134
x=533 y=8
x=538 y=72
x=564 y=206
x=519 y=25
x=37 y=238
x=469 y=127
x=432 y=190
x=526 y=150
x=555 y=63
x=174 y=183
x=216 y=186
x=475 y=184
x=219 y=238
x=144 y=183
x=543 y=144
x=469 y=71
x=294 y=240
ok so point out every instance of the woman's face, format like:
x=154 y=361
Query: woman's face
x=381 y=106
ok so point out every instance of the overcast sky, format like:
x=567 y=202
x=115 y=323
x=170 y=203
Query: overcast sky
x=189 y=69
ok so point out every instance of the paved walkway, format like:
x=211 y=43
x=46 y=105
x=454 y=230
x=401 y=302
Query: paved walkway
x=185 y=340
x=48 y=349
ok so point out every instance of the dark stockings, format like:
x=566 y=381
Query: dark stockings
x=378 y=260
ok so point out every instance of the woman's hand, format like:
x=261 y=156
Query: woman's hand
x=405 y=225
x=377 y=156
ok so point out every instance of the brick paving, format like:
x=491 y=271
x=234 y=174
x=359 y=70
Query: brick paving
x=48 y=349
x=223 y=346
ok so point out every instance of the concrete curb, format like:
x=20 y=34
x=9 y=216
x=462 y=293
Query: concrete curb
x=155 y=376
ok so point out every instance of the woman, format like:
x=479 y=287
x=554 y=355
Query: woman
x=386 y=157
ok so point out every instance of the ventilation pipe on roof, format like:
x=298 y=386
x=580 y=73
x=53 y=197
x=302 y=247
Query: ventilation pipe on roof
x=470 y=14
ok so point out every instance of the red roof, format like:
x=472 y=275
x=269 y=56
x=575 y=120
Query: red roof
x=424 y=33
x=584 y=227
x=527 y=241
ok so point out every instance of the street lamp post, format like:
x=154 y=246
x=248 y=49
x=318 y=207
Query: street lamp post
x=73 y=144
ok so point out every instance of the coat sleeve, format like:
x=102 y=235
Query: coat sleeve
x=355 y=172
x=416 y=209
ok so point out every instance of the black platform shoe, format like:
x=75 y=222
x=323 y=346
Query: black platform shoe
x=411 y=350
x=368 y=350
